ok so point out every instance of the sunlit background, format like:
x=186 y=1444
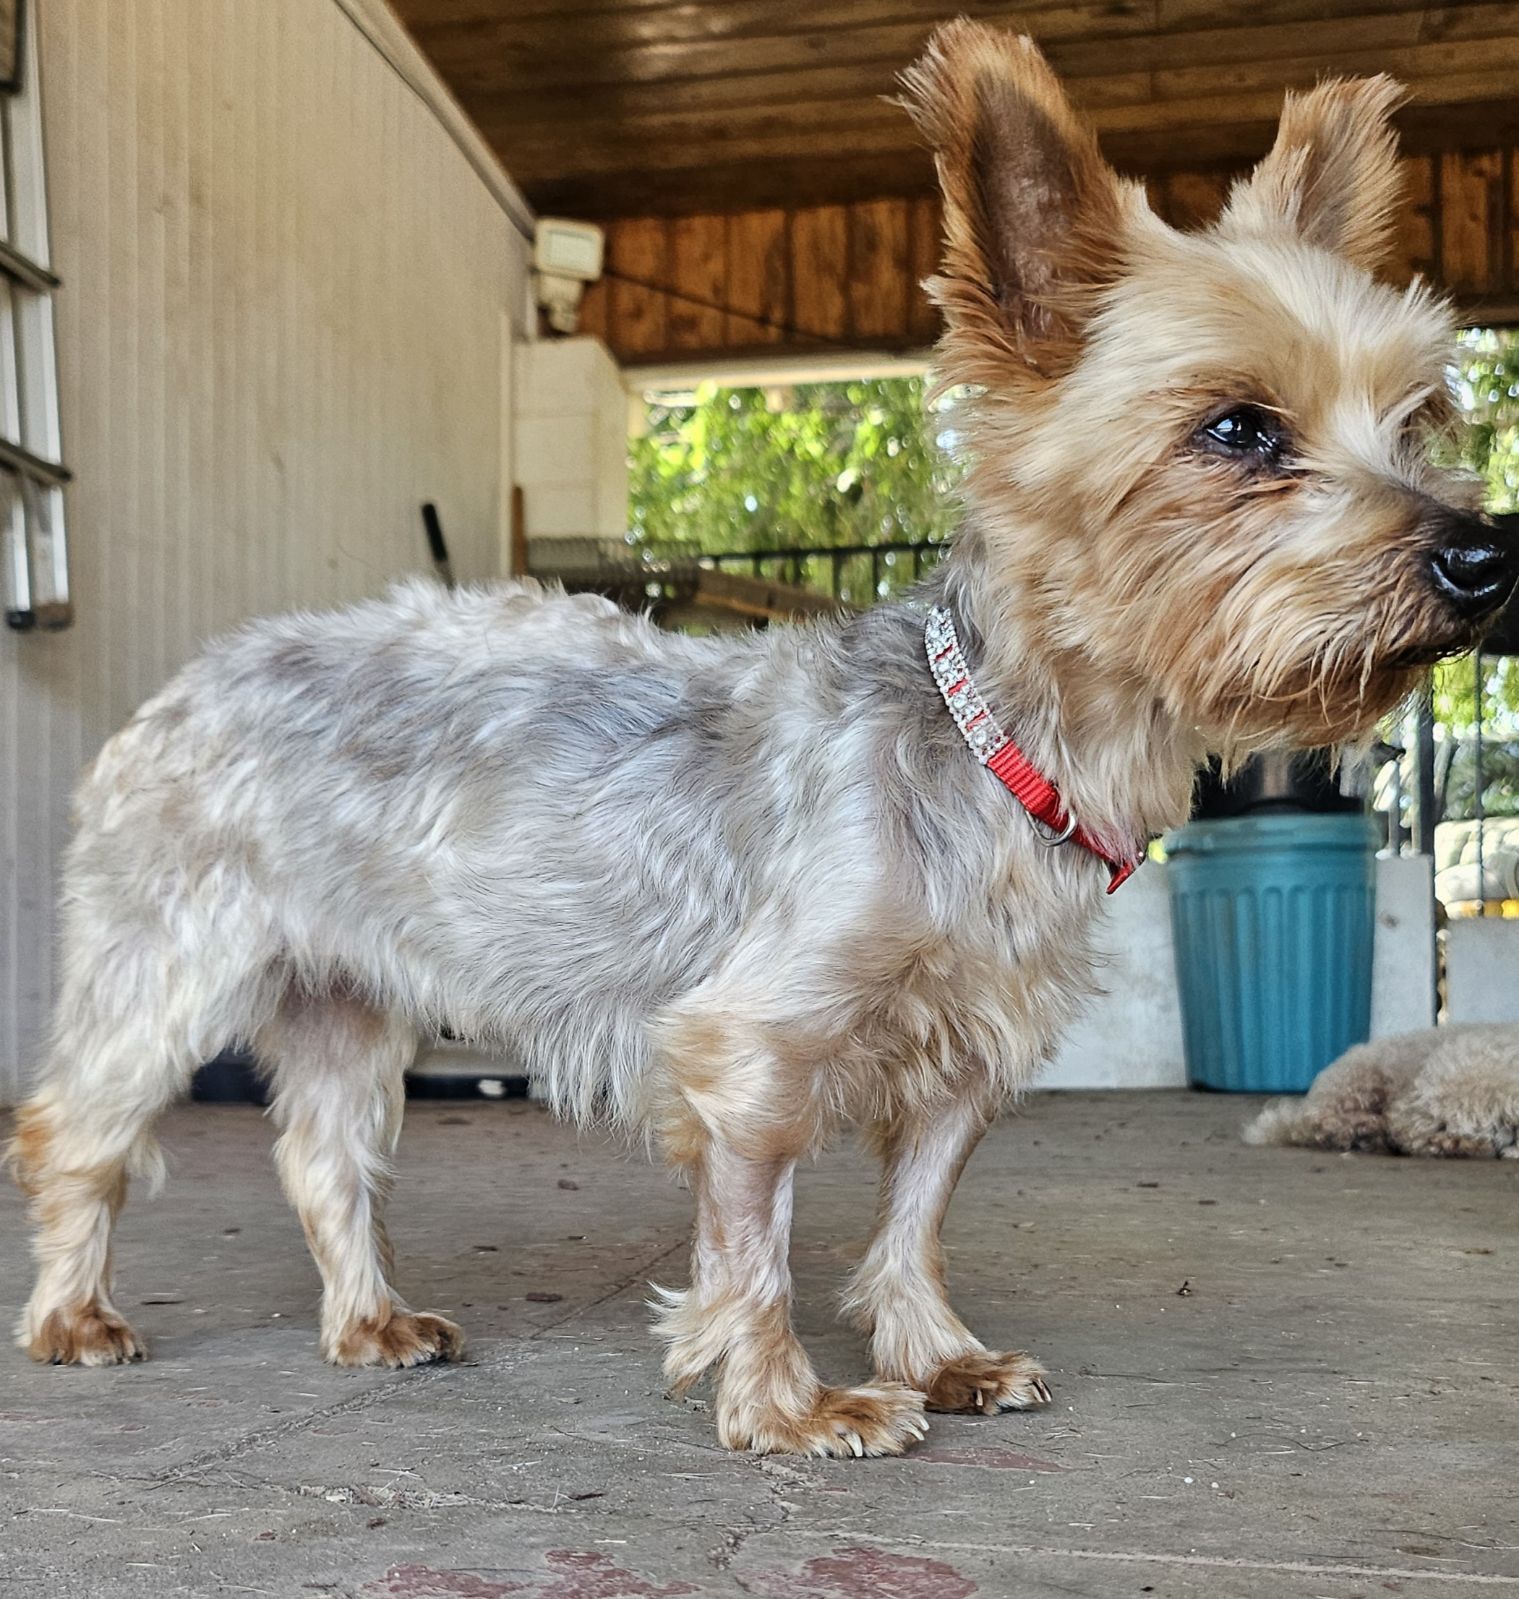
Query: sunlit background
x=849 y=487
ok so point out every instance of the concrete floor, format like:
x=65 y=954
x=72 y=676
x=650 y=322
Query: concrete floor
x=1276 y=1373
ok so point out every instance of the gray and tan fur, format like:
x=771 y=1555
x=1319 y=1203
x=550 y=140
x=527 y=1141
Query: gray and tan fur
x=735 y=895
x=1450 y=1091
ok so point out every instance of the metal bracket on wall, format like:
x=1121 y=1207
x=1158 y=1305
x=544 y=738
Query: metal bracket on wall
x=33 y=534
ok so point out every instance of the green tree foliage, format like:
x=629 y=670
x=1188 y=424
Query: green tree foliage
x=1487 y=388
x=865 y=462
x=814 y=467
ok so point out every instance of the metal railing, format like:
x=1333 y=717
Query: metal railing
x=855 y=574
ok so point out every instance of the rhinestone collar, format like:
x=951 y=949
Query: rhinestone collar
x=996 y=750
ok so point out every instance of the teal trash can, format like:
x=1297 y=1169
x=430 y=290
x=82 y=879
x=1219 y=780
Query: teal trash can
x=1273 y=918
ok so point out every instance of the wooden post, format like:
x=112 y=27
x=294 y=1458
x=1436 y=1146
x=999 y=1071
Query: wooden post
x=518 y=533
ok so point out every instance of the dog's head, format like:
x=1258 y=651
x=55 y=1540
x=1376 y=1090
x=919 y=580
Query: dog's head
x=1204 y=457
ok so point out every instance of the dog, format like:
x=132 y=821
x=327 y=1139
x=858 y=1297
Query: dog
x=1444 y=1091
x=737 y=894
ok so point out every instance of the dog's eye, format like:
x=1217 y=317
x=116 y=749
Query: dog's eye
x=1246 y=431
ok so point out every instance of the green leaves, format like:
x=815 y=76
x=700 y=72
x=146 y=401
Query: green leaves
x=1487 y=387
x=815 y=466
x=1486 y=380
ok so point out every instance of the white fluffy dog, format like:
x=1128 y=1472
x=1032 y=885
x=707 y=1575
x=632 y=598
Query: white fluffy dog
x=1444 y=1091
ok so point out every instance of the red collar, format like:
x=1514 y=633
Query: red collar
x=997 y=752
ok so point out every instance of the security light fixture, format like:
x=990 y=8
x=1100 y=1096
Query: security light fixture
x=566 y=256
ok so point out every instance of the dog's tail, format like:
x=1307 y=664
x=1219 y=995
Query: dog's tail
x=1283 y=1121
x=1346 y=1109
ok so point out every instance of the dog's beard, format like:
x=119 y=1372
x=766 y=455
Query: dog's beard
x=1329 y=699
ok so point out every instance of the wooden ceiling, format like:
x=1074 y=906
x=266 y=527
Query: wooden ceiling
x=604 y=108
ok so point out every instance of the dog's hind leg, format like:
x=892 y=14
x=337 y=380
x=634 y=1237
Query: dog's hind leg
x=75 y=1142
x=898 y=1294
x=337 y=1066
x=132 y=1026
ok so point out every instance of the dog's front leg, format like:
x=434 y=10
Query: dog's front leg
x=737 y=1315
x=898 y=1296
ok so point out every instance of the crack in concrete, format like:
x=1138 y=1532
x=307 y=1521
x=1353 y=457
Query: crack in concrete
x=1296 y=1568
x=722 y=1555
x=403 y=1382
x=393 y=1498
x=384 y=1497
x=616 y=1289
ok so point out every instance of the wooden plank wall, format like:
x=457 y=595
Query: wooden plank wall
x=835 y=277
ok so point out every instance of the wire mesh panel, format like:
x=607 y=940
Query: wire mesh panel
x=32 y=474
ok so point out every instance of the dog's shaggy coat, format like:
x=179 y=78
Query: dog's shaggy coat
x=1444 y=1091
x=735 y=894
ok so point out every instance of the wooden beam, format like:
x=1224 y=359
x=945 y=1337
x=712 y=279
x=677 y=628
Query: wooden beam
x=1082 y=41
x=1192 y=199
x=879 y=282
x=638 y=107
x=1417 y=253
x=820 y=273
x=505 y=26
x=699 y=281
x=426 y=16
x=759 y=599
x=697 y=144
x=716 y=41
x=1472 y=222
x=638 y=256
x=737 y=185
x=924 y=250
x=1419 y=66
x=759 y=279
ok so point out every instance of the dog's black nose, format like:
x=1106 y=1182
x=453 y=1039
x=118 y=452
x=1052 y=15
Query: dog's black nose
x=1474 y=565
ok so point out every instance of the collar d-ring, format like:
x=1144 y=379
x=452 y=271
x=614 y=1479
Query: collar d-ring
x=1052 y=840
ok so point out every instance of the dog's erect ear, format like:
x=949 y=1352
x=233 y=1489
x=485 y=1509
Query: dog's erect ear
x=1031 y=209
x=1333 y=175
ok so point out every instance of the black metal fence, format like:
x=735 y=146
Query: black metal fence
x=857 y=574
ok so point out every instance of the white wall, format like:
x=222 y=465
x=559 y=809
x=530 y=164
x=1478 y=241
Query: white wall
x=1404 y=964
x=571 y=443
x=1131 y=1036
x=288 y=269
x=1482 y=970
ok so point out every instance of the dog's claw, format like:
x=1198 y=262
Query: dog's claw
x=985 y=1382
x=883 y=1418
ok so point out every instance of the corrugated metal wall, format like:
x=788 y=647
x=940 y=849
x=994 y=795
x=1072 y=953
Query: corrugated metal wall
x=280 y=331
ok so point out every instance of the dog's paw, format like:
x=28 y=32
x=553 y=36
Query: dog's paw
x=988 y=1382
x=405 y=1338
x=88 y=1337
x=882 y=1419
x=1458 y=1146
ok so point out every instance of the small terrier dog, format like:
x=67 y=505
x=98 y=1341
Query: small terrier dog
x=737 y=893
